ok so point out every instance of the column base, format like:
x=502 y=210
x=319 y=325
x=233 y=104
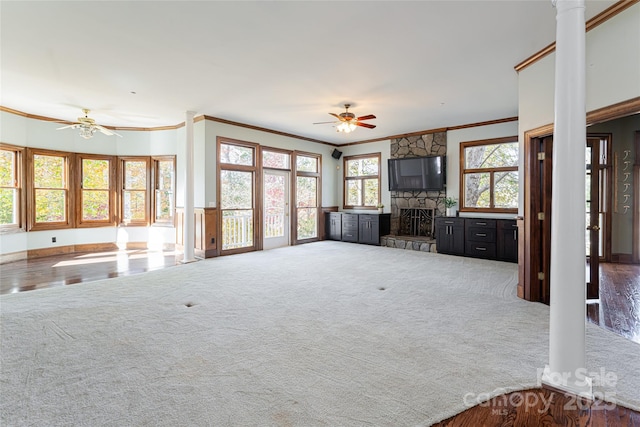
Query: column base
x=188 y=261
x=568 y=382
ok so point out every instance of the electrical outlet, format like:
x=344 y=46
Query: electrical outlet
x=53 y=240
x=213 y=240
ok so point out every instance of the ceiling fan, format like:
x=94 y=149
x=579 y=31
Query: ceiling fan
x=88 y=126
x=347 y=121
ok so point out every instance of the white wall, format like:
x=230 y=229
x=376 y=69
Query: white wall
x=612 y=73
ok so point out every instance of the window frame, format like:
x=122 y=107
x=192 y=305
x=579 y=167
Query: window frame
x=318 y=176
x=155 y=170
x=122 y=190
x=18 y=185
x=32 y=224
x=491 y=171
x=80 y=222
x=256 y=170
x=361 y=178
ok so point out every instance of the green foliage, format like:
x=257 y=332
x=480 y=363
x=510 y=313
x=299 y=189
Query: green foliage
x=135 y=175
x=306 y=192
x=307 y=220
x=367 y=166
x=50 y=191
x=95 y=205
x=478 y=188
x=236 y=155
x=236 y=189
x=450 y=202
x=306 y=164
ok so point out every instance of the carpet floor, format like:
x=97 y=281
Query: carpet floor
x=322 y=334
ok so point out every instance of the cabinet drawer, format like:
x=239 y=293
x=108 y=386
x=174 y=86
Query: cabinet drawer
x=373 y=219
x=349 y=225
x=484 y=223
x=479 y=234
x=349 y=235
x=449 y=221
x=480 y=250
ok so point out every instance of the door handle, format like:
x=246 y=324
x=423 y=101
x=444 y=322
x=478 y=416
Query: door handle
x=594 y=227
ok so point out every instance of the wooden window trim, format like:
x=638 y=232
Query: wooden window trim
x=19 y=179
x=154 y=174
x=294 y=186
x=121 y=190
x=256 y=169
x=80 y=223
x=32 y=225
x=490 y=171
x=346 y=178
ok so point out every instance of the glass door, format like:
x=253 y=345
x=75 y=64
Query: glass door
x=276 y=209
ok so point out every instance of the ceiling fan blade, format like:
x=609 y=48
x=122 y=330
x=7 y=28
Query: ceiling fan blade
x=337 y=117
x=322 y=123
x=73 y=126
x=368 y=117
x=365 y=125
x=106 y=131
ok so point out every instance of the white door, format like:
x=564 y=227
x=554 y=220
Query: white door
x=276 y=224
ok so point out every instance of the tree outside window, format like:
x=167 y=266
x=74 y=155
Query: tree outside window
x=307 y=196
x=489 y=177
x=50 y=189
x=362 y=181
x=10 y=190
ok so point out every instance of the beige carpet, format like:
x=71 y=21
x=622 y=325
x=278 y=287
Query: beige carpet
x=323 y=334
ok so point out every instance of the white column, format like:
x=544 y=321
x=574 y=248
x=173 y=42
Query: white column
x=566 y=369
x=189 y=226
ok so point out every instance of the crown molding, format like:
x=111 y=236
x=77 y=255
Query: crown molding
x=262 y=129
x=600 y=18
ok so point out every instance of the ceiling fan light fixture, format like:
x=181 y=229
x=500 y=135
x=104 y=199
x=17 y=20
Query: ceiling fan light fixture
x=346 y=127
x=87 y=131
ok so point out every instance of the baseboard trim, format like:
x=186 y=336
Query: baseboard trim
x=622 y=258
x=70 y=249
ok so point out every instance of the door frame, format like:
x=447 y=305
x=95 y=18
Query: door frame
x=531 y=261
x=287 y=179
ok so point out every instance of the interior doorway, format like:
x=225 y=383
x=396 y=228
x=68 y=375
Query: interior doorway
x=538 y=151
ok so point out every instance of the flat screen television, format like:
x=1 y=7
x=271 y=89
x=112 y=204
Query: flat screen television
x=417 y=173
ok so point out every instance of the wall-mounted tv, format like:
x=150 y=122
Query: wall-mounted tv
x=417 y=173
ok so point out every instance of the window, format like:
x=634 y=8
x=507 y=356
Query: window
x=237 y=194
x=49 y=190
x=362 y=181
x=165 y=193
x=307 y=195
x=489 y=175
x=95 y=193
x=134 y=199
x=10 y=187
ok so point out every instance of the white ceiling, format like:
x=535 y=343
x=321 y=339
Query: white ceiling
x=416 y=65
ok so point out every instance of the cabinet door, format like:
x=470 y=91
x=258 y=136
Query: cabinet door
x=368 y=231
x=335 y=226
x=450 y=235
x=507 y=241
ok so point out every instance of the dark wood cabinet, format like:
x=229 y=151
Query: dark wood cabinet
x=334 y=226
x=372 y=226
x=357 y=228
x=507 y=231
x=349 y=227
x=450 y=235
x=478 y=237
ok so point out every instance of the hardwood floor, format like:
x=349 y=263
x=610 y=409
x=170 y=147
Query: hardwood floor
x=617 y=310
x=543 y=407
x=70 y=269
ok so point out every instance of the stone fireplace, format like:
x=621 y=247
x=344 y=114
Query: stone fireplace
x=413 y=212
